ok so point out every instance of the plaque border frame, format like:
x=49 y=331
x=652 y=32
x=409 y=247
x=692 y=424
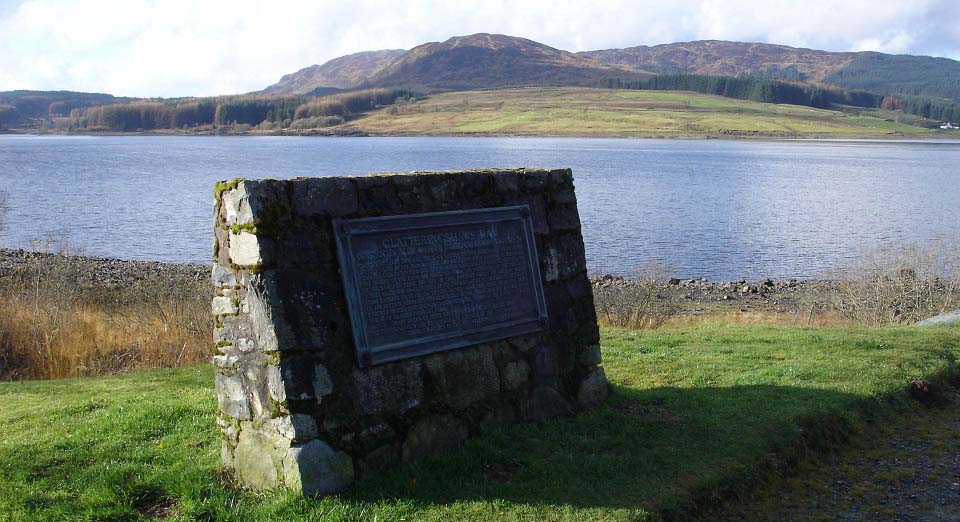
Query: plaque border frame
x=370 y=355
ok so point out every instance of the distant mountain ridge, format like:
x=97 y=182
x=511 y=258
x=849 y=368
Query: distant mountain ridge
x=722 y=58
x=490 y=61
x=493 y=60
x=345 y=72
x=460 y=63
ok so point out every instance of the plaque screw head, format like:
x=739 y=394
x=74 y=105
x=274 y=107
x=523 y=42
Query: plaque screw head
x=368 y=359
x=525 y=211
x=344 y=229
x=543 y=321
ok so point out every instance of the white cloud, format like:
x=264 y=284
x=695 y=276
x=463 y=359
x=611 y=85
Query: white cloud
x=180 y=47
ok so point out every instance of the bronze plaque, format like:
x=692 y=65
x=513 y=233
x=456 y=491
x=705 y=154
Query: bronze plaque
x=423 y=283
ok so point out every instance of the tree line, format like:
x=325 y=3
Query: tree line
x=767 y=90
x=277 y=110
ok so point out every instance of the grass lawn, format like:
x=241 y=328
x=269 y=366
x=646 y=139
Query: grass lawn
x=603 y=112
x=698 y=412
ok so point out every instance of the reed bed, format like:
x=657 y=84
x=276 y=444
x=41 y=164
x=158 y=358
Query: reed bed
x=56 y=323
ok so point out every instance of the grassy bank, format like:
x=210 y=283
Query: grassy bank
x=603 y=112
x=699 y=412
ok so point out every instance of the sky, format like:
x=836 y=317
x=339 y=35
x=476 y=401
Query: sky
x=170 y=48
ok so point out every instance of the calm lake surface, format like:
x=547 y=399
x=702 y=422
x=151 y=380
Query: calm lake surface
x=708 y=208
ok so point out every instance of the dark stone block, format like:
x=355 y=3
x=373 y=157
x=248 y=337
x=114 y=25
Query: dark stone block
x=561 y=179
x=546 y=363
x=570 y=254
x=579 y=286
x=545 y=403
x=335 y=197
x=563 y=197
x=462 y=377
x=379 y=460
x=534 y=180
x=306 y=312
x=394 y=388
x=564 y=218
x=381 y=200
x=432 y=435
x=506 y=182
x=538 y=211
x=476 y=183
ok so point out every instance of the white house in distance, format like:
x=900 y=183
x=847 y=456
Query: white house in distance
x=949 y=126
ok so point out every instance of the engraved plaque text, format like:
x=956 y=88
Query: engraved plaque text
x=422 y=283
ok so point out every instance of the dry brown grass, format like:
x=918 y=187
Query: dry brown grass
x=53 y=326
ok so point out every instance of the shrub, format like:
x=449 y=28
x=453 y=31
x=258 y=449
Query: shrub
x=645 y=301
x=893 y=286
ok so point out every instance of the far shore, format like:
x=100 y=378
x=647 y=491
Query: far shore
x=348 y=133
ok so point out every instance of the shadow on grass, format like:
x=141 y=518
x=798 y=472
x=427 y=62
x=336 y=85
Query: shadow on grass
x=661 y=450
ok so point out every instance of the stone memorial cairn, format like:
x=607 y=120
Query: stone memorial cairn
x=300 y=409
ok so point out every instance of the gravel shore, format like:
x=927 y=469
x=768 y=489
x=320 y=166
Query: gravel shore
x=101 y=272
x=694 y=295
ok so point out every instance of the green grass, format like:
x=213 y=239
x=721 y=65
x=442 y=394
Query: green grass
x=698 y=413
x=604 y=112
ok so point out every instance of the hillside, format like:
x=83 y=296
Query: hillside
x=604 y=112
x=344 y=72
x=18 y=106
x=721 y=58
x=483 y=61
x=461 y=63
x=870 y=71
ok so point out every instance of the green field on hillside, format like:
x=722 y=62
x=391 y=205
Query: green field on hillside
x=698 y=413
x=604 y=112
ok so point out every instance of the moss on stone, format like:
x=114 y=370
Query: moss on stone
x=223 y=186
x=236 y=228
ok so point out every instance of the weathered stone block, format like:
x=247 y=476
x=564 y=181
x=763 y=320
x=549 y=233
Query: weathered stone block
x=334 y=197
x=546 y=403
x=433 y=435
x=396 y=387
x=515 y=375
x=463 y=377
x=590 y=356
x=593 y=389
x=314 y=468
x=245 y=249
x=533 y=180
x=231 y=396
x=564 y=218
x=221 y=277
x=497 y=418
x=298 y=412
x=224 y=305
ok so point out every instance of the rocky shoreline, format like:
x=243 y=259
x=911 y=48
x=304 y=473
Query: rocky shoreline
x=100 y=272
x=694 y=295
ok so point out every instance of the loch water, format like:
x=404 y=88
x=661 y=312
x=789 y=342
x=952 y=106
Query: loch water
x=707 y=208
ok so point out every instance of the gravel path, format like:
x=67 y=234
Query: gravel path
x=909 y=470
